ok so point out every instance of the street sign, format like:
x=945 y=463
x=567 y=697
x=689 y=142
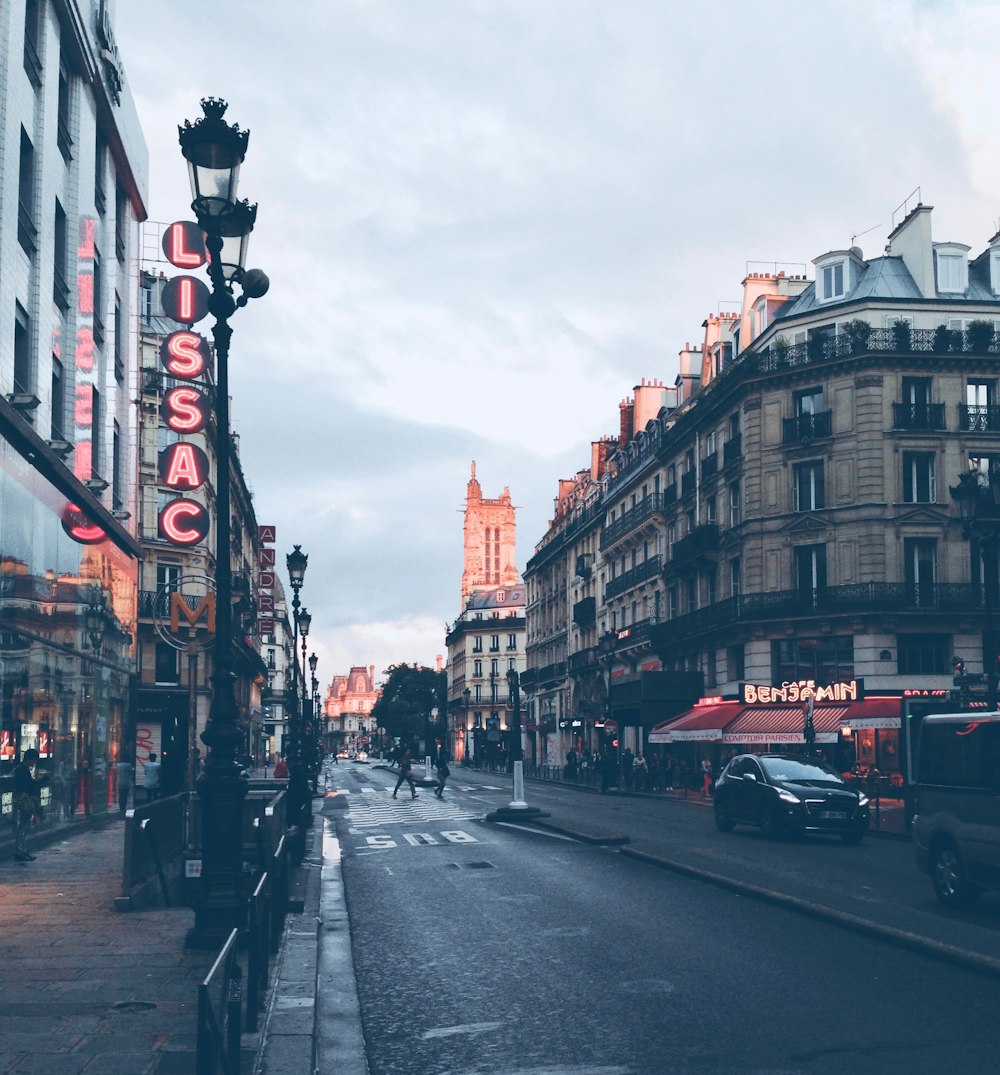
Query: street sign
x=611 y=727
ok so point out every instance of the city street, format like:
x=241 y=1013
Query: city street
x=487 y=948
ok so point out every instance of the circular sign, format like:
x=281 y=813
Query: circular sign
x=185 y=299
x=184 y=612
x=184 y=245
x=79 y=527
x=183 y=466
x=184 y=522
x=186 y=409
x=611 y=727
x=185 y=354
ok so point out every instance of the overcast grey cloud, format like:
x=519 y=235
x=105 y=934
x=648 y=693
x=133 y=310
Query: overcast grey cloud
x=484 y=222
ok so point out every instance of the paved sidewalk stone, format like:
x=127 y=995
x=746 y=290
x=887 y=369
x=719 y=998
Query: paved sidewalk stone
x=87 y=989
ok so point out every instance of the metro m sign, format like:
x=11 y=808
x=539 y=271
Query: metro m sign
x=179 y=607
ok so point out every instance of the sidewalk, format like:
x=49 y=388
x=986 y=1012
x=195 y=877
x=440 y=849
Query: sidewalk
x=87 y=989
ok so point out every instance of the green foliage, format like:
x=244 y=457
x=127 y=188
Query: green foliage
x=901 y=335
x=858 y=331
x=409 y=693
x=943 y=340
x=980 y=336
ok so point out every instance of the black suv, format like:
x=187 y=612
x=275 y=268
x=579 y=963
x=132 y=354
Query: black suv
x=789 y=793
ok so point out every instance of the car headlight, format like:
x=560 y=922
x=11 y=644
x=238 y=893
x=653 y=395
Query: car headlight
x=787 y=796
x=862 y=800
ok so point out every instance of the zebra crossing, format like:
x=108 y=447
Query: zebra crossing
x=370 y=808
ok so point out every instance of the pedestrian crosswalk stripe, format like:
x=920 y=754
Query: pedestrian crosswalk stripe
x=374 y=811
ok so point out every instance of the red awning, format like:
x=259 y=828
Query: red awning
x=784 y=724
x=704 y=723
x=875 y=713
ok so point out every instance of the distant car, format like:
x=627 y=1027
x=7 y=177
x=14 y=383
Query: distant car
x=362 y=755
x=789 y=793
x=341 y=753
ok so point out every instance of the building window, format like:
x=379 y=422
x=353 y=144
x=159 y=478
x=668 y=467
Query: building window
x=27 y=232
x=511 y=664
x=810 y=494
x=735 y=663
x=920 y=569
x=810 y=572
x=923 y=655
x=477 y=693
x=512 y=642
x=58 y=424
x=735 y=506
x=734 y=577
x=834 y=278
x=97 y=419
x=809 y=402
x=32 y=34
x=100 y=168
x=710 y=510
x=494 y=667
x=166 y=663
x=116 y=468
x=63 y=139
x=828 y=659
x=24 y=380
x=60 y=288
x=918 y=478
x=121 y=223
x=952 y=270
x=477 y=668
x=119 y=342
x=98 y=313
x=494 y=643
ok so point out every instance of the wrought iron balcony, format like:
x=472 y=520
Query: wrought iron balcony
x=640 y=573
x=629 y=520
x=585 y=612
x=732 y=449
x=918 y=416
x=978 y=419
x=807 y=427
x=703 y=539
x=583 y=660
x=687 y=483
x=709 y=466
x=864 y=597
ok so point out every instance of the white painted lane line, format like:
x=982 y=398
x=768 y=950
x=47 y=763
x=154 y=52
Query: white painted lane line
x=451 y=1031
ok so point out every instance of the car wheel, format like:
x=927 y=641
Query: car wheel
x=853 y=837
x=723 y=822
x=769 y=823
x=948 y=877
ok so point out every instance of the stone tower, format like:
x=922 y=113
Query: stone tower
x=490 y=541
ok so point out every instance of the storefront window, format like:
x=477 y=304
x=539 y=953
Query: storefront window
x=67 y=600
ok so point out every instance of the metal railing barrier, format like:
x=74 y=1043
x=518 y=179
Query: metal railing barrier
x=220 y=998
x=258 y=949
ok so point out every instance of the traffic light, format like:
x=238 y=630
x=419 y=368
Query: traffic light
x=957 y=666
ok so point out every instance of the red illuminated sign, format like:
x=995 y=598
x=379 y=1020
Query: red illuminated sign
x=184 y=522
x=184 y=245
x=79 y=527
x=183 y=466
x=184 y=354
x=185 y=299
x=6 y=745
x=186 y=409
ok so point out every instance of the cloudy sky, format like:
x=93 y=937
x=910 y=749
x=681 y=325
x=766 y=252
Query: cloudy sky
x=485 y=221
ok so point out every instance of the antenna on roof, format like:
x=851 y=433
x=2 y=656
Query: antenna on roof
x=865 y=232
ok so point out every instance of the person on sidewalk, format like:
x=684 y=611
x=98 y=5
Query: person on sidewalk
x=125 y=772
x=27 y=802
x=706 y=778
x=281 y=770
x=443 y=772
x=406 y=773
x=151 y=778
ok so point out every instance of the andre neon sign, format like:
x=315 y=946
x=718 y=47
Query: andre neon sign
x=184 y=354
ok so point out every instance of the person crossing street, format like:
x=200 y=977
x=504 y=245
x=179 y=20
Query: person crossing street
x=406 y=773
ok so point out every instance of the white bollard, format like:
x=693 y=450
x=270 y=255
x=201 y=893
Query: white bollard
x=427 y=767
x=518 y=802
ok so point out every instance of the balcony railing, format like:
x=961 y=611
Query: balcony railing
x=585 y=612
x=806 y=427
x=732 y=449
x=583 y=660
x=918 y=416
x=863 y=597
x=645 y=509
x=709 y=466
x=687 y=483
x=640 y=573
x=703 y=539
x=978 y=419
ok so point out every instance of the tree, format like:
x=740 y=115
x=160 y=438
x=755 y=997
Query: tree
x=409 y=693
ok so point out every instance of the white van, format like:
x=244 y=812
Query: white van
x=956 y=824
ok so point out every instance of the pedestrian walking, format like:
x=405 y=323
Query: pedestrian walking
x=125 y=773
x=281 y=770
x=27 y=802
x=443 y=772
x=406 y=773
x=639 y=770
x=706 y=778
x=151 y=778
x=668 y=774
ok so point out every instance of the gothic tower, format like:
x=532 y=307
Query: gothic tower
x=490 y=541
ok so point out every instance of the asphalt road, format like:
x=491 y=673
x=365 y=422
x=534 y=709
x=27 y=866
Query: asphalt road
x=484 y=948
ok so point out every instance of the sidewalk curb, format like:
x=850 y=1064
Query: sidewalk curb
x=614 y=839
x=900 y=938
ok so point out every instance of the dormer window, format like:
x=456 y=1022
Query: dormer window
x=951 y=261
x=833 y=279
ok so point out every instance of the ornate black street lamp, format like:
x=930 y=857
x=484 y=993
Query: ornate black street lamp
x=606 y=646
x=514 y=694
x=298 y=785
x=466 y=695
x=979 y=507
x=214 y=151
x=314 y=711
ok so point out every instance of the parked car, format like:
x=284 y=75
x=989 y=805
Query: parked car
x=956 y=823
x=789 y=793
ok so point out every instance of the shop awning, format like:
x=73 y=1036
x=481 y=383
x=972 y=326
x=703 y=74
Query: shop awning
x=874 y=713
x=701 y=724
x=784 y=723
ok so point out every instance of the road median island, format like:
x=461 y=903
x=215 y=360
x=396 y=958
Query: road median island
x=614 y=839
x=913 y=942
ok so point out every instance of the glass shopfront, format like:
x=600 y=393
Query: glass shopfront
x=67 y=615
